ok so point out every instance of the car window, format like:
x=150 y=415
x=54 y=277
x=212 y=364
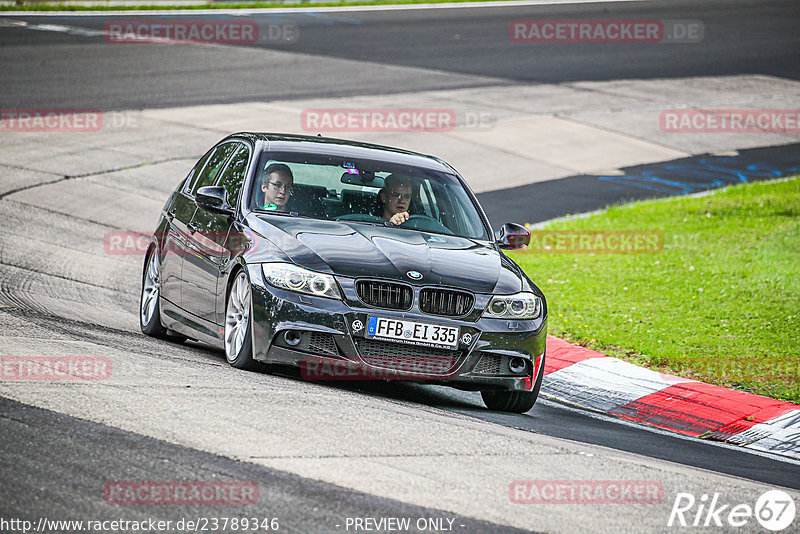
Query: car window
x=213 y=165
x=193 y=174
x=233 y=175
x=428 y=201
x=340 y=188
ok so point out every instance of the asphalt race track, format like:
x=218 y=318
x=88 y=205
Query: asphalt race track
x=320 y=453
x=471 y=47
x=115 y=453
x=541 y=201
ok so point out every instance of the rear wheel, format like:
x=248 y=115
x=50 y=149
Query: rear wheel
x=238 y=317
x=514 y=401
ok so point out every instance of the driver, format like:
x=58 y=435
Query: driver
x=276 y=183
x=395 y=199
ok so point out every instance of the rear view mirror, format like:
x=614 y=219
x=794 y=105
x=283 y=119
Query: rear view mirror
x=512 y=236
x=365 y=178
x=213 y=198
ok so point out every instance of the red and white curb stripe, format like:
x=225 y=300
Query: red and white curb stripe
x=599 y=382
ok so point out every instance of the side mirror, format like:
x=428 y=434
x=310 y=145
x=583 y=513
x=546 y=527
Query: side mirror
x=512 y=236
x=213 y=198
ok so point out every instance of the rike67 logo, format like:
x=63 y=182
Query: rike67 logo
x=774 y=510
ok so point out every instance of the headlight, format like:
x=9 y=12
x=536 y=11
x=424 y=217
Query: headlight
x=519 y=306
x=294 y=278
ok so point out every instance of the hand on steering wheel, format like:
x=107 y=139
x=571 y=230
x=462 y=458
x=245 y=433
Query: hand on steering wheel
x=399 y=218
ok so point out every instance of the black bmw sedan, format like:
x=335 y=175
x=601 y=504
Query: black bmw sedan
x=349 y=261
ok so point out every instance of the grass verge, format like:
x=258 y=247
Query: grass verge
x=719 y=303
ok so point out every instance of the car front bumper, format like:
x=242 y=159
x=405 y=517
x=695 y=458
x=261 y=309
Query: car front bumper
x=325 y=339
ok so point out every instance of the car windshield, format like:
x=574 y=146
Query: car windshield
x=364 y=191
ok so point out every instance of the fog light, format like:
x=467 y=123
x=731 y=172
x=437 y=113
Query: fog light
x=292 y=337
x=516 y=364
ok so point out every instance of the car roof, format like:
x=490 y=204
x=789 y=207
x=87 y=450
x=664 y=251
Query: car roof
x=326 y=145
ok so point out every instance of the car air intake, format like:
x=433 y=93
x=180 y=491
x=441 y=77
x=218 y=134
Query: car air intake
x=489 y=364
x=407 y=358
x=385 y=294
x=445 y=301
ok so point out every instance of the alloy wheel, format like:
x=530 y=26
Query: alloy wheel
x=150 y=290
x=237 y=316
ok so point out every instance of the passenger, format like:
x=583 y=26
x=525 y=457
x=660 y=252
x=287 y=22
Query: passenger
x=395 y=199
x=276 y=183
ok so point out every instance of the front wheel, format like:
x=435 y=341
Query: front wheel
x=238 y=317
x=150 y=302
x=149 y=312
x=514 y=401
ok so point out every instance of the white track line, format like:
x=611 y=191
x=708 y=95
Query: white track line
x=328 y=9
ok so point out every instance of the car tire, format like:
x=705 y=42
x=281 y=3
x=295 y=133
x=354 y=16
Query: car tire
x=238 y=324
x=150 y=302
x=514 y=401
x=149 y=299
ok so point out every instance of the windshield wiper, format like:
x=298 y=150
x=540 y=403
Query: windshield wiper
x=284 y=213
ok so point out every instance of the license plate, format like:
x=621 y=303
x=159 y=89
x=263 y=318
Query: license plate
x=413 y=333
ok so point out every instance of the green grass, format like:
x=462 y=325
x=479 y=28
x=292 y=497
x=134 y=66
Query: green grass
x=719 y=303
x=200 y=5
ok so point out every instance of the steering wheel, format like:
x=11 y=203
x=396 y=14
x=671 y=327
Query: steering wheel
x=425 y=222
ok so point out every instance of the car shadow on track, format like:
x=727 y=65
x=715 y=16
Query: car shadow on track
x=430 y=395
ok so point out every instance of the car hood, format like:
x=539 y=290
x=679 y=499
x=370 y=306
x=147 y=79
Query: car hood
x=364 y=250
